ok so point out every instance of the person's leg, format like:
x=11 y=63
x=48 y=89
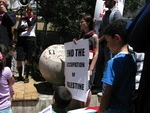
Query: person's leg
x=30 y=46
x=89 y=93
x=19 y=67
x=99 y=72
x=27 y=69
x=20 y=57
x=88 y=99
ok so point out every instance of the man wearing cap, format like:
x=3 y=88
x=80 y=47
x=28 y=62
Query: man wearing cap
x=7 y=21
x=112 y=14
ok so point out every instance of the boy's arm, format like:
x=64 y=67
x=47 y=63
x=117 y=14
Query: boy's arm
x=106 y=99
x=11 y=81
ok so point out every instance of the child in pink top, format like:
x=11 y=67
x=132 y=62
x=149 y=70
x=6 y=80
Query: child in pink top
x=6 y=81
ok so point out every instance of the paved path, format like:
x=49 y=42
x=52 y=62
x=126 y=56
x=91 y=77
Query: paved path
x=25 y=91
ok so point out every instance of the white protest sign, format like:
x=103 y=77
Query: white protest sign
x=47 y=109
x=100 y=8
x=76 y=68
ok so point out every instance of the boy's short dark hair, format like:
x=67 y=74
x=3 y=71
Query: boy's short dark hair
x=117 y=27
x=62 y=97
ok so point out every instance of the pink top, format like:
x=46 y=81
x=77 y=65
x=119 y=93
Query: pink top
x=5 y=88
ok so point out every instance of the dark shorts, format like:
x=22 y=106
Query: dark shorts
x=25 y=48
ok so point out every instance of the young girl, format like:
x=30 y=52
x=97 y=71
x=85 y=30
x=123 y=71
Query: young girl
x=6 y=81
x=88 y=32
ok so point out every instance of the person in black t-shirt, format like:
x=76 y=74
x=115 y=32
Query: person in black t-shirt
x=7 y=21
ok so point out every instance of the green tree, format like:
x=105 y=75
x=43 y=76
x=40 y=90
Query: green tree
x=65 y=14
x=132 y=6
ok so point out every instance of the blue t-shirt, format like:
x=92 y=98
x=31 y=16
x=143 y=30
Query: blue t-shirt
x=120 y=73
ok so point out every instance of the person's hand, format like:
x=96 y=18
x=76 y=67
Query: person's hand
x=90 y=72
x=75 y=41
x=28 y=28
x=3 y=8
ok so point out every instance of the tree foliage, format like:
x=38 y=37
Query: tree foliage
x=65 y=14
x=131 y=6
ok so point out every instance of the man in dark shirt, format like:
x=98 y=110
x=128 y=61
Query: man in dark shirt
x=112 y=14
x=7 y=21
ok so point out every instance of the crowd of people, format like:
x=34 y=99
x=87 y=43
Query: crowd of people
x=25 y=47
x=7 y=21
x=113 y=68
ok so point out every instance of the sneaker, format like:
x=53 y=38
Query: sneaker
x=26 y=80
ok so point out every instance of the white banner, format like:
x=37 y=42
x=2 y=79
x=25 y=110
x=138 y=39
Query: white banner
x=100 y=8
x=76 y=68
x=47 y=109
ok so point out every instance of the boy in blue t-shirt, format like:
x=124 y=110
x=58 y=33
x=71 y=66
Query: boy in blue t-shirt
x=119 y=75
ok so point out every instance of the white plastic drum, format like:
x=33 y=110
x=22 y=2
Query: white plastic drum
x=51 y=64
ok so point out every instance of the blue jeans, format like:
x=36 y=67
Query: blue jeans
x=6 y=110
